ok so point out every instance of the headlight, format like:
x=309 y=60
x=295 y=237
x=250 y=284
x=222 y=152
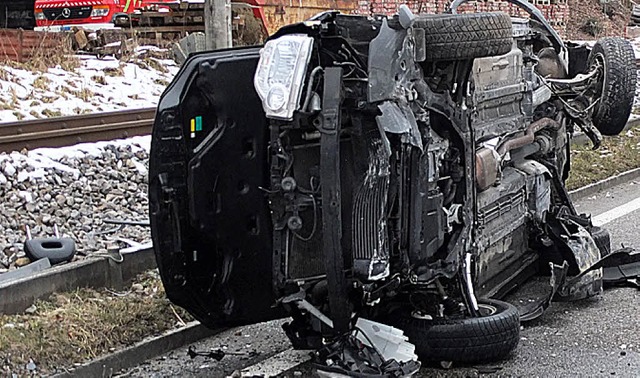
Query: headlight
x=99 y=11
x=280 y=74
x=39 y=14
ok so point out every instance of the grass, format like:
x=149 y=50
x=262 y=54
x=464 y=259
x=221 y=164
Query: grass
x=48 y=54
x=41 y=82
x=114 y=71
x=99 y=79
x=5 y=105
x=616 y=155
x=162 y=82
x=51 y=113
x=84 y=324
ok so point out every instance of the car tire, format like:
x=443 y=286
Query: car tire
x=603 y=240
x=467 y=340
x=611 y=114
x=465 y=36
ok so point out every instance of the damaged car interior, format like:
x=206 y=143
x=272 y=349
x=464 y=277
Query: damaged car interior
x=386 y=182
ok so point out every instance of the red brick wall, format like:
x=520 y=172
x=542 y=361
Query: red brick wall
x=556 y=11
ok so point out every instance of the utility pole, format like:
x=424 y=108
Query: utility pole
x=217 y=24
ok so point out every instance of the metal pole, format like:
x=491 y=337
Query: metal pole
x=217 y=24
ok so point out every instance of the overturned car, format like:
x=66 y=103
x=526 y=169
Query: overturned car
x=384 y=178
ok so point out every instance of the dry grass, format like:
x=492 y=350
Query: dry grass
x=48 y=99
x=99 y=79
x=616 y=155
x=156 y=65
x=4 y=105
x=14 y=97
x=19 y=115
x=115 y=71
x=51 y=113
x=162 y=82
x=45 y=57
x=85 y=94
x=85 y=324
x=35 y=114
x=41 y=82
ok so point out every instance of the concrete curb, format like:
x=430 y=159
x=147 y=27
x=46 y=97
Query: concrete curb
x=147 y=349
x=18 y=295
x=594 y=188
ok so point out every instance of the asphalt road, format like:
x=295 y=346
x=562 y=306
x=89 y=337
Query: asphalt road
x=597 y=337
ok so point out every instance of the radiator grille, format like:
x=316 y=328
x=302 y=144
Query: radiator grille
x=67 y=13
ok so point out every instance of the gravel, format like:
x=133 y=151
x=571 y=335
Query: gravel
x=75 y=188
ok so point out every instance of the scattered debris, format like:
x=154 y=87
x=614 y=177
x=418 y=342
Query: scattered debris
x=218 y=354
x=57 y=249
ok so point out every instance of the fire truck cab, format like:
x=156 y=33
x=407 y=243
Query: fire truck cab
x=89 y=14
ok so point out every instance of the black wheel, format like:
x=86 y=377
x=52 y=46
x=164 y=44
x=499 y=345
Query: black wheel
x=603 y=240
x=488 y=338
x=612 y=112
x=466 y=36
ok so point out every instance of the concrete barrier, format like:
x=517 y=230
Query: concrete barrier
x=17 y=295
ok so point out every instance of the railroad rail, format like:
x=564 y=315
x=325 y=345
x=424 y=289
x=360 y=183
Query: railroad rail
x=67 y=131
x=70 y=130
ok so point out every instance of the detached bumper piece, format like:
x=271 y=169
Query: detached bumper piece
x=620 y=268
x=371 y=350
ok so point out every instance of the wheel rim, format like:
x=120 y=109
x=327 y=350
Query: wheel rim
x=484 y=309
x=600 y=61
x=487 y=309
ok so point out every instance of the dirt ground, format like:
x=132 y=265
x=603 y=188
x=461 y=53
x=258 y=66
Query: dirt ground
x=591 y=20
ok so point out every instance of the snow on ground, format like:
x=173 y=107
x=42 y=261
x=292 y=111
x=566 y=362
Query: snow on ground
x=96 y=86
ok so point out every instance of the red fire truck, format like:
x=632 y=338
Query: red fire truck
x=89 y=14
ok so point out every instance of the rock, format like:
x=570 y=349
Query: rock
x=76 y=193
x=23 y=176
x=31 y=366
x=61 y=200
x=31 y=310
x=137 y=288
x=9 y=169
x=22 y=262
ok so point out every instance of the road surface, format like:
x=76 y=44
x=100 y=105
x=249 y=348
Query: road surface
x=597 y=337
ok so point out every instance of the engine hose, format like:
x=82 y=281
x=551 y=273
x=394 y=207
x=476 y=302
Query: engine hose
x=528 y=137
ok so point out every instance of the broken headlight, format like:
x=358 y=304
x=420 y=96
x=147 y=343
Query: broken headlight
x=280 y=74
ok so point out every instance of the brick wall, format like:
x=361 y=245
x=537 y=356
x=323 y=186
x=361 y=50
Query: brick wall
x=556 y=11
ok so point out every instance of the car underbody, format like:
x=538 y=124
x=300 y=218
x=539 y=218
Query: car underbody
x=383 y=179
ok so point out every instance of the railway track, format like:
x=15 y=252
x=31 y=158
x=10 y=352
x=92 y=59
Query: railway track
x=67 y=131
x=70 y=130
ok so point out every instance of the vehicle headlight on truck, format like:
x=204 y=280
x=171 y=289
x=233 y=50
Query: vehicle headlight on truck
x=100 y=11
x=280 y=74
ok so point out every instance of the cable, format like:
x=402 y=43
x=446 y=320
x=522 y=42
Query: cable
x=315 y=222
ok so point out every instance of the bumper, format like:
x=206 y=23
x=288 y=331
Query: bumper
x=59 y=28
